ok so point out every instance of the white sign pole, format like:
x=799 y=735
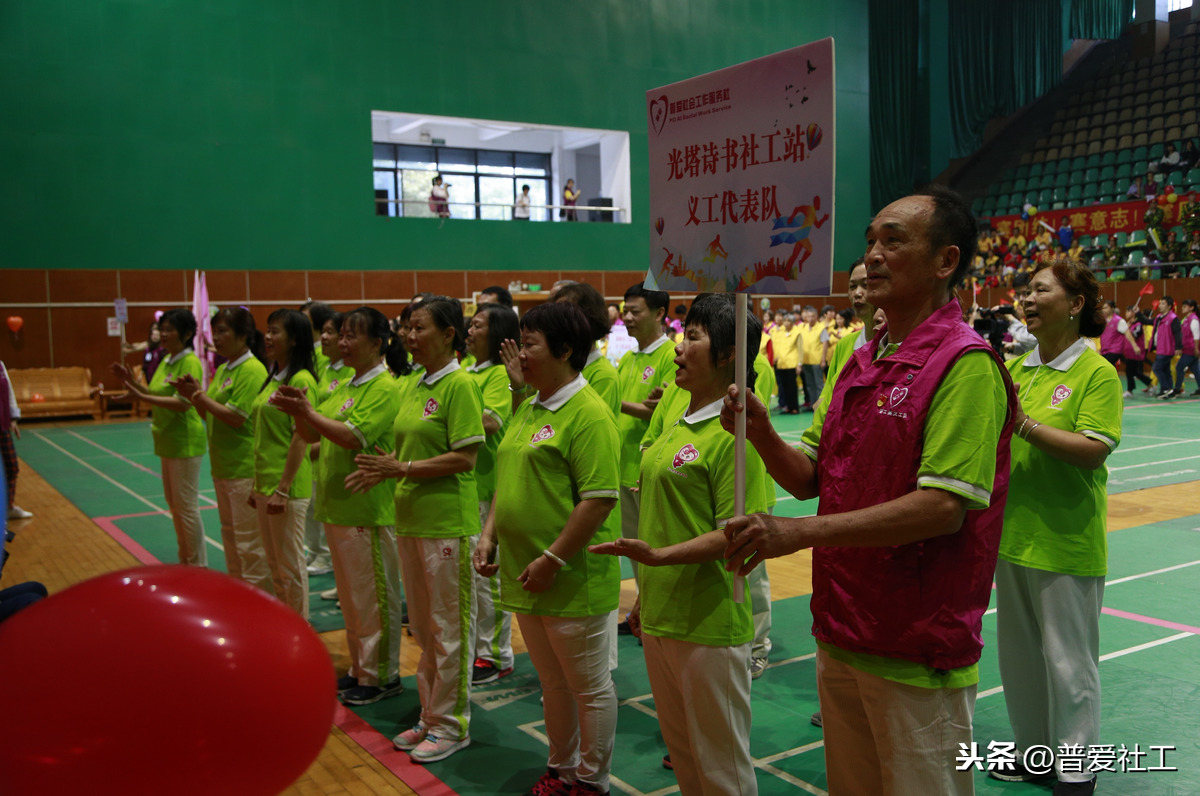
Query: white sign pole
x=739 y=431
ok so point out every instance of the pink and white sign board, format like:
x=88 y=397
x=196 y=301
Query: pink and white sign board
x=741 y=177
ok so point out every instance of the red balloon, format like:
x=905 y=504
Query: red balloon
x=15 y=322
x=161 y=679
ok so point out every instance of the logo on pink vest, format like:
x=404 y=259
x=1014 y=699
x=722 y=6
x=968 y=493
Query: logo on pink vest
x=346 y=406
x=647 y=374
x=686 y=455
x=1061 y=393
x=544 y=433
x=431 y=406
x=897 y=397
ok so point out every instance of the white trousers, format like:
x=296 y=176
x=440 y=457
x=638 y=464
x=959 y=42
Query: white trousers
x=367 y=574
x=245 y=557
x=631 y=503
x=579 y=700
x=491 y=625
x=884 y=738
x=1048 y=640
x=282 y=536
x=758 y=586
x=438 y=581
x=702 y=698
x=181 y=486
x=314 y=532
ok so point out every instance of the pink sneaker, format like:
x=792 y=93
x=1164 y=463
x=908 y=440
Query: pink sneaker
x=410 y=738
x=550 y=785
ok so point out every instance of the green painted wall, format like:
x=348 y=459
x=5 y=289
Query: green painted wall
x=219 y=134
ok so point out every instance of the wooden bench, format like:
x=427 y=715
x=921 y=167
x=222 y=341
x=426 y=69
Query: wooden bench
x=63 y=391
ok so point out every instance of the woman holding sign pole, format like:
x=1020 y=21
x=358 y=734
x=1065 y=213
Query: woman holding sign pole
x=697 y=638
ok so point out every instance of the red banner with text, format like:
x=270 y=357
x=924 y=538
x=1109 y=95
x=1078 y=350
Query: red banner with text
x=1096 y=219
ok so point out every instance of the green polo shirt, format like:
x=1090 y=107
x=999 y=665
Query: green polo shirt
x=336 y=374
x=320 y=361
x=1057 y=514
x=639 y=373
x=553 y=455
x=235 y=385
x=687 y=491
x=177 y=435
x=497 y=403
x=367 y=405
x=273 y=431
x=601 y=374
x=962 y=430
x=439 y=413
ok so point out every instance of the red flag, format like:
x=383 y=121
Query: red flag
x=1147 y=290
x=977 y=287
x=1012 y=294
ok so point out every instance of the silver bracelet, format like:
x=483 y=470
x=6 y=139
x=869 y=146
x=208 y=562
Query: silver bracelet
x=1030 y=431
x=1022 y=428
x=553 y=557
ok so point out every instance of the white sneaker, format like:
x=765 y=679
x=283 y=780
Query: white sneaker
x=757 y=667
x=434 y=748
x=410 y=739
x=1127 y=394
x=18 y=513
x=329 y=594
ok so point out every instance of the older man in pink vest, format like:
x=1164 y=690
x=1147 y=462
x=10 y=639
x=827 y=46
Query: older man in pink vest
x=908 y=452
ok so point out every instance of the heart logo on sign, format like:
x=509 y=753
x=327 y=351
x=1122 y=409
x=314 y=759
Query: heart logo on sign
x=544 y=433
x=898 y=396
x=1061 y=393
x=814 y=136
x=431 y=406
x=658 y=113
x=660 y=225
x=687 y=453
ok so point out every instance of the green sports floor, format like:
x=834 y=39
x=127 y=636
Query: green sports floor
x=1150 y=632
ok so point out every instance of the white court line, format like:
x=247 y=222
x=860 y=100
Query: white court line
x=137 y=466
x=1148 y=574
x=1159 y=445
x=981 y=695
x=1152 y=464
x=117 y=484
x=1128 y=578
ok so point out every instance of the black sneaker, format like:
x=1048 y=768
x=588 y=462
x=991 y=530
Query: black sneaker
x=367 y=694
x=667 y=764
x=345 y=683
x=1018 y=773
x=1075 y=788
x=623 y=629
x=815 y=719
x=487 y=672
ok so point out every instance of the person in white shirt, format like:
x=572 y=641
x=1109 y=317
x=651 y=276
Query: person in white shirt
x=521 y=206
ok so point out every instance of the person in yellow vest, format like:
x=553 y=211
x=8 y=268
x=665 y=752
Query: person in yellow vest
x=811 y=348
x=785 y=344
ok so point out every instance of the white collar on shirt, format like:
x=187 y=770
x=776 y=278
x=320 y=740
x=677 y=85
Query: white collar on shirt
x=593 y=356
x=432 y=378
x=562 y=394
x=179 y=356
x=863 y=338
x=281 y=375
x=478 y=366
x=370 y=374
x=705 y=412
x=341 y=363
x=1063 y=361
x=234 y=363
x=653 y=346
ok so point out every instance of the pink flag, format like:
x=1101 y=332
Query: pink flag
x=203 y=341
